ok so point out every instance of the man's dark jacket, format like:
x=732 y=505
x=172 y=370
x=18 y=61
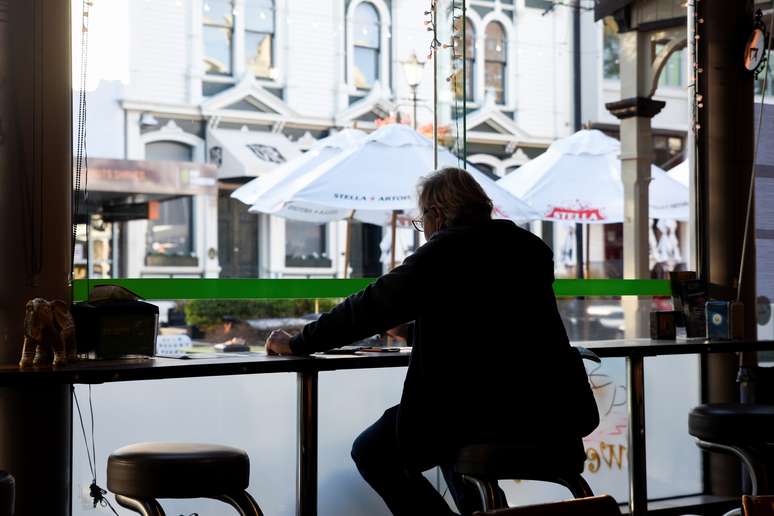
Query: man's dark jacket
x=490 y=358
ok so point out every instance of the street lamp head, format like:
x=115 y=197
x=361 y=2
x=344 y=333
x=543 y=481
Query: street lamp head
x=413 y=69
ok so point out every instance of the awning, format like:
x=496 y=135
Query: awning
x=243 y=153
x=150 y=177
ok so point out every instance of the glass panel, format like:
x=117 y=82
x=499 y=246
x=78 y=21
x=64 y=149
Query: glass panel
x=217 y=50
x=366 y=26
x=496 y=52
x=167 y=150
x=306 y=245
x=169 y=233
x=495 y=80
x=672 y=73
x=764 y=219
x=611 y=48
x=366 y=67
x=496 y=46
x=258 y=53
x=259 y=15
x=769 y=81
x=218 y=12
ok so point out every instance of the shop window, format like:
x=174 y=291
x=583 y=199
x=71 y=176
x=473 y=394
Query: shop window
x=169 y=238
x=470 y=61
x=168 y=151
x=611 y=50
x=218 y=36
x=366 y=40
x=306 y=245
x=495 y=56
x=169 y=234
x=259 y=37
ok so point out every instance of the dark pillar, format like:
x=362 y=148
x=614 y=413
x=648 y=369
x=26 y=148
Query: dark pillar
x=35 y=185
x=725 y=155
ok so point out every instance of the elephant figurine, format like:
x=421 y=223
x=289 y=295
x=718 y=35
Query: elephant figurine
x=49 y=334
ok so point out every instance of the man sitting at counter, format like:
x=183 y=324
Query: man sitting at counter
x=490 y=357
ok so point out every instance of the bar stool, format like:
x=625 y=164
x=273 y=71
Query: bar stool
x=743 y=430
x=594 y=506
x=139 y=474
x=7 y=494
x=484 y=464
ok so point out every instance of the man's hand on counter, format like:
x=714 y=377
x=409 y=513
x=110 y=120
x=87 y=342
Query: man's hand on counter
x=278 y=343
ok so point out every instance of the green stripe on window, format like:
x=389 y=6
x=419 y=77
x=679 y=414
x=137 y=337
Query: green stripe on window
x=160 y=289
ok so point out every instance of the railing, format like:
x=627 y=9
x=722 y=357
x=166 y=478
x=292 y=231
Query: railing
x=161 y=289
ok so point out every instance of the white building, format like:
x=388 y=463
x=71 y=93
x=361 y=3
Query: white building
x=245 y=84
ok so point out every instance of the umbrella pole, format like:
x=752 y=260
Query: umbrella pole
x=579 y=251
x=588 y=247
x=347 y=244
x=392 y=247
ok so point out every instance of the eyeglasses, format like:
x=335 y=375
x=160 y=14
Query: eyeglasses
x=418 y=224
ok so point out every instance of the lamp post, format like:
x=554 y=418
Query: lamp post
x=413 y=69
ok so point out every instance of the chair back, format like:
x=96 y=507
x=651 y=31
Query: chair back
x=592 y=506
x=756 y=385
x=758 y=505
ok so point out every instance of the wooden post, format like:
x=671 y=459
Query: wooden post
x=35 y=231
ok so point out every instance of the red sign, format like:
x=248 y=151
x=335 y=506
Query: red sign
x=580 y=215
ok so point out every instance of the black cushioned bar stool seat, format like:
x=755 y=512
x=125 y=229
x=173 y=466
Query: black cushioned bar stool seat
x=484 y=464
x=743 y=430
x=141 y=473
x=7 y=494
x=733 y=423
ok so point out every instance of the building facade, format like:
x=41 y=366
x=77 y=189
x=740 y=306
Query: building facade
x=229 y=89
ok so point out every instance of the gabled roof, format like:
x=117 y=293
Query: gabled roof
x=490 y=125
x=247 y=96
x=364 y=112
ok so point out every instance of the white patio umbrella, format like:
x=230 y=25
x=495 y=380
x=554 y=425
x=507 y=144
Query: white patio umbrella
x=375 y=179
x=286 y=174
x=578 y=179
x=680 y=173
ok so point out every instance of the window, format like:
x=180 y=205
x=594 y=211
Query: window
x=495 y=57
x=769 y=81
x=259 y=36
x=169 y=234
x=672 y=73
x=366 y=39
x=611 y=49
x=218 y=35
x=470 y=62
x=169 y=237
x=306 y=245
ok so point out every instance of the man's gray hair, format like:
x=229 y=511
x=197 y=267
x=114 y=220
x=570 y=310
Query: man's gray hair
x=457 y=195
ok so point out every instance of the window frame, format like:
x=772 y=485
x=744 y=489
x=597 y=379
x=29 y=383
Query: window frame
x=232 y=42
x=384 y=51
x=503 y=63
x=272 y=39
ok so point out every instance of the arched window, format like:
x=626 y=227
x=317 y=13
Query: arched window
x=218 y=36
x=259 y=37
x=470 y=62
x=495 y=57
x=366 y=39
